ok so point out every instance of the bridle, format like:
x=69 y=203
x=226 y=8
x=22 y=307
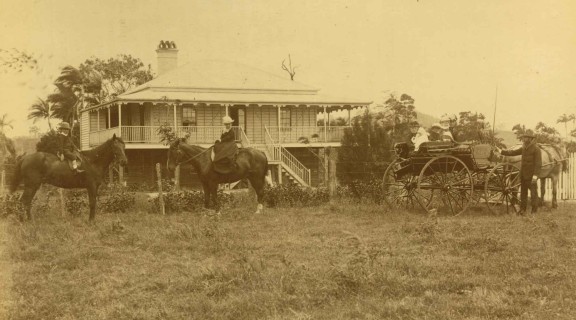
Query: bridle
x=115 y=153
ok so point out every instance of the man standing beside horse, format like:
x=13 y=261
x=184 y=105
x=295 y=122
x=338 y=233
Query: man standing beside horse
x=529 y=170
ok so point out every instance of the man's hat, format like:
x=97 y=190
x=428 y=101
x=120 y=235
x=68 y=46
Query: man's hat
x=529 y=133
x=64 y=126
x=436 y=125
x=414 y=124
x=227 y=119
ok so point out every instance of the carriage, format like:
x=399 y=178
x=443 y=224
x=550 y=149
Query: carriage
x=448 y=178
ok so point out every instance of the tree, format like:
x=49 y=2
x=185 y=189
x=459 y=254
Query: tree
x=399 y=111
x=5 y=123
x=94 y=82
x=366 y=148
x=40 y=110
x=565 y=119
x=65 y=99
x=17 y=60
x=106 y=79
x=291 y=70
x=543 y=133
x=34 y=131
x=472 y=127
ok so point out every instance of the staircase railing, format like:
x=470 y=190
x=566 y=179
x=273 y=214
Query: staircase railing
x=244 y=141
x=277 y=152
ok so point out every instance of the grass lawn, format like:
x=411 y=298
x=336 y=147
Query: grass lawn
x=337 y=261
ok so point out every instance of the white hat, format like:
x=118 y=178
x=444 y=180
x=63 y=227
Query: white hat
x=227 y=119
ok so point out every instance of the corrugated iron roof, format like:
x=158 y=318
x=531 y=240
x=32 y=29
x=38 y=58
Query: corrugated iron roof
x=217 y=81
x=220 y=74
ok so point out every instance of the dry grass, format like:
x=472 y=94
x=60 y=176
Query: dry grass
x=339 y=261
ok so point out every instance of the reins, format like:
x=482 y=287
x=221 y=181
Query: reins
x=192 y=158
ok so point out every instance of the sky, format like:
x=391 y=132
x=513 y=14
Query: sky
x=517 y=57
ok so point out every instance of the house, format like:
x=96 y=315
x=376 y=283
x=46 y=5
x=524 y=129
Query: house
x=270 y=112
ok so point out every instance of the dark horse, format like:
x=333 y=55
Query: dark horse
x=252 y=164
x=41 y=167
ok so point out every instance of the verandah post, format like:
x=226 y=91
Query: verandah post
x=160 y=195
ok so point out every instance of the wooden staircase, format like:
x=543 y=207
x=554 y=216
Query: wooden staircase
x=290 y=167
x=277 y=154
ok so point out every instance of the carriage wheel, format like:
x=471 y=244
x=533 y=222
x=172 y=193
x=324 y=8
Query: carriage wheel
x=451 y=181
x=502 y=187
x=401 y=192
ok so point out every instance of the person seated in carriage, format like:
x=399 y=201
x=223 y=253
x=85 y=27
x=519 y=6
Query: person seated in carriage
x=435 y=132
x=448 y=124
x=419 y=135
x=225 y=149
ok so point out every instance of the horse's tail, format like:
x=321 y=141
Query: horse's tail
x=17 y=176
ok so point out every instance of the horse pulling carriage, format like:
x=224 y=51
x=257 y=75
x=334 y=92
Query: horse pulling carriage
x=448 y=178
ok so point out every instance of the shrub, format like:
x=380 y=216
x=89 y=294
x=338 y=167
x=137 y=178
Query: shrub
x=291 y=195
x=76 y=201
x=10 y=204
x=178 y=201
x=359 y=189
x=117 y=199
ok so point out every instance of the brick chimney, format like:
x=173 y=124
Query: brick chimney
x=167 y=56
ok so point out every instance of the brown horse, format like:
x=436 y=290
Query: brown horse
x=553 y=163
x=252 y=164
x=41 y=167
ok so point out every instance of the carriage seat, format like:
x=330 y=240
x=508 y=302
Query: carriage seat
x=481 y=154
x=435 y=146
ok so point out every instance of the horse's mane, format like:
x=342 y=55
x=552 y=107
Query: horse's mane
x=92 y=153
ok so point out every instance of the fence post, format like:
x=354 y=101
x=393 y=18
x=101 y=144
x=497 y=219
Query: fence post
x=326 y=164
x=2 y=181
x=62 y=202
x=160 y=195
x=121 y=175
x=332 y=182
x=177 y=178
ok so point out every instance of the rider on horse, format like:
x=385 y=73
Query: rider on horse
x=225 y=149
x=66 y=148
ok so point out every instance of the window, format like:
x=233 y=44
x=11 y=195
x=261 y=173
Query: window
x=285 y=117
x=188 y=116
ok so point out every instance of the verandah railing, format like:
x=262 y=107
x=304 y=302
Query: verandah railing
x=295 y=134
x=149 y=134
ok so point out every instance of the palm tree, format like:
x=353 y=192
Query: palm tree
x=41 y=110
x=564 y=119
x=4 y=122
x=64 y=101
x=34 y=131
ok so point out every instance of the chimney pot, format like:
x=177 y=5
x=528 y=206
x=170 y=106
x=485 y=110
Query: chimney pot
x=167 y=56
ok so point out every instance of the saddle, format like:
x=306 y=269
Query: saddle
x=223 y=157
x=79 y=162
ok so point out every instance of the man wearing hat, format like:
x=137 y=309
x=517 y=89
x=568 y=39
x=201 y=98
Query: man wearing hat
x=66 y=148
x=529 y=171
x=436 y=132
x=225 y=149
x=419 y=135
